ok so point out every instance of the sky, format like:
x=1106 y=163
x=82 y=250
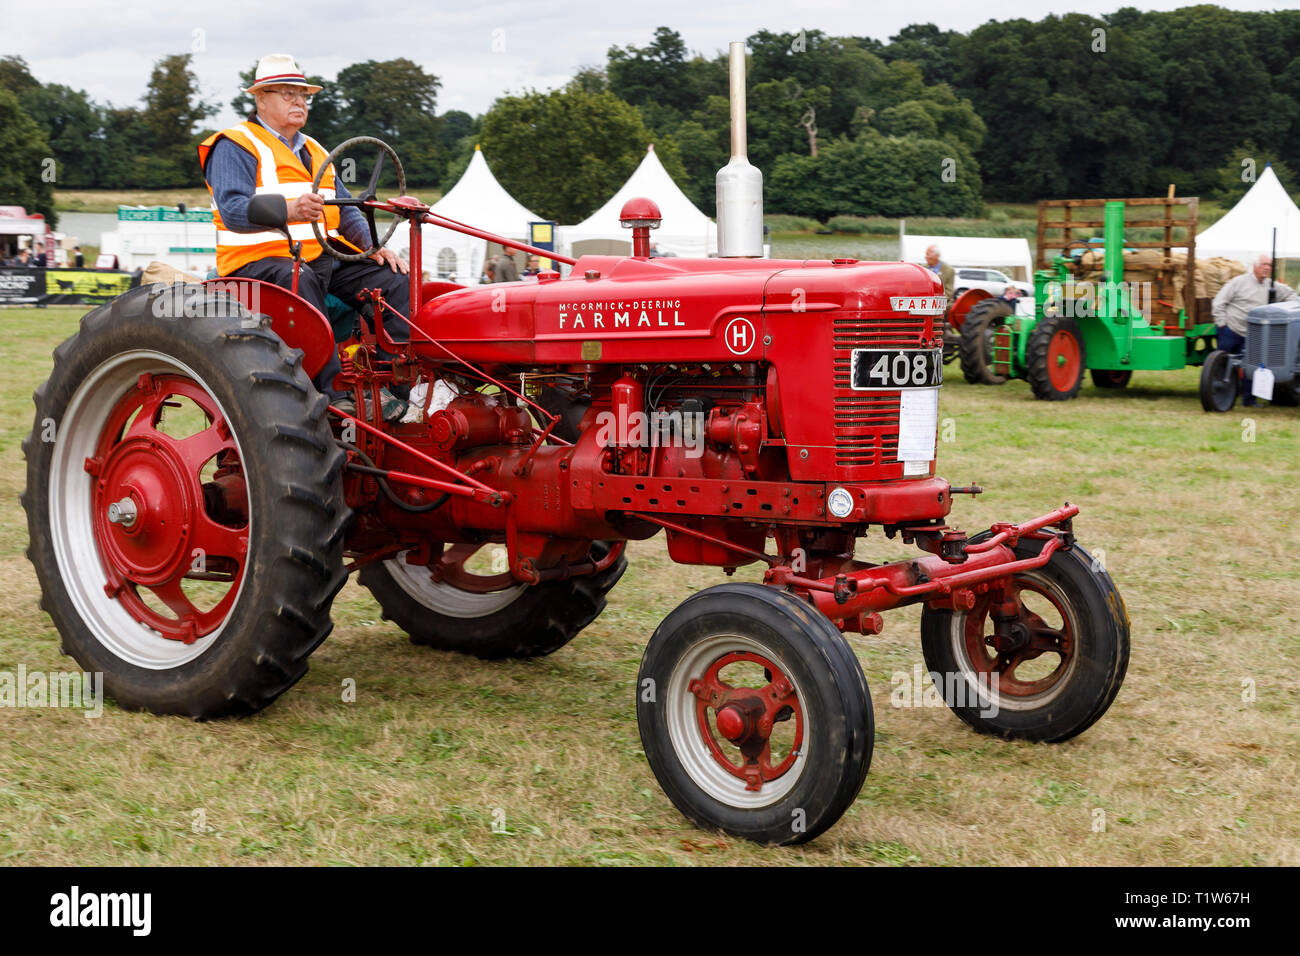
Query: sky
x=479 y=50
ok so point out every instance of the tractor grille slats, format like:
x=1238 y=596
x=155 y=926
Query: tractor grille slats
x=866 y=423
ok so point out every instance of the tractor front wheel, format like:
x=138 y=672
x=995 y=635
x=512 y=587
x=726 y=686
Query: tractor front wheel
x=1055 y=359
x=468 y=602
x=754 y=714
x=184 y=504
x=1219 y=378
x=1059 y=664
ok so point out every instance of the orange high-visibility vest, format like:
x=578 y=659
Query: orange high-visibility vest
x=279 y=170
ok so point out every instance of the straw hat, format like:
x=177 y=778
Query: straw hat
x=278 y=69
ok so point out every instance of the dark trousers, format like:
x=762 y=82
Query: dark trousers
x=1234 y=344
x=325 y=274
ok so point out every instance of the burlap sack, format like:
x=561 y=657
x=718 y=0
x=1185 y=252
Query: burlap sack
x=1149 y=265
x=168 y=275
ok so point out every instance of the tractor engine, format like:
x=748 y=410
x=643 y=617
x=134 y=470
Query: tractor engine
x=732 y=395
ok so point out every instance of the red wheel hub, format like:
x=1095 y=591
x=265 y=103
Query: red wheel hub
x=148 y=508
x=746 y=716
x=1018 y=637
x=1064 y=361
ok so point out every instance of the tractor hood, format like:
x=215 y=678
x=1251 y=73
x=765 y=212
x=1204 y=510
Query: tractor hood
x=630 y=311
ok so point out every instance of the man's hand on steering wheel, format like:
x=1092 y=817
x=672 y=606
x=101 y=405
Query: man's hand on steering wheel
x=306 y=208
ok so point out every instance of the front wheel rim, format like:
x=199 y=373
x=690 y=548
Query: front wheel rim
x=111 y=459
x=452 y=587
x=1064 y=361
x=991 y=676
x=702 y=708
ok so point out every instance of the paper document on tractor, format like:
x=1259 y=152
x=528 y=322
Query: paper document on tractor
x=1262 y=385
x=918 y=419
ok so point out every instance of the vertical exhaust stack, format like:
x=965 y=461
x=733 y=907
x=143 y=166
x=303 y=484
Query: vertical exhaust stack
x=740 y=185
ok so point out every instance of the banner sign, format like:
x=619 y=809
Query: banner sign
x=19 y=285
x=24 y=286
x=162 y=214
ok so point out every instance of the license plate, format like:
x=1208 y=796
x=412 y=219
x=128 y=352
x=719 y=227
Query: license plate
x=891 y=369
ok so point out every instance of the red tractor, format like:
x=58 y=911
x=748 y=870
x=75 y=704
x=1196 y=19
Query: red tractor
x=194 y=503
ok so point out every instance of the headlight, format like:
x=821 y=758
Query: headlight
x=840 y=503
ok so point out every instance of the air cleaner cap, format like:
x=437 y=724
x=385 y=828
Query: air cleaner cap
x=639 y=211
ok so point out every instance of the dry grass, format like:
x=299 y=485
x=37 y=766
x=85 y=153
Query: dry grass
x=1199 y=531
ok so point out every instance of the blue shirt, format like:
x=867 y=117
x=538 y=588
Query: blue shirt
x=232 y=174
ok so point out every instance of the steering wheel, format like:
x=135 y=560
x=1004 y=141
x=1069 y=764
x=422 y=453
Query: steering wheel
x=360 y=201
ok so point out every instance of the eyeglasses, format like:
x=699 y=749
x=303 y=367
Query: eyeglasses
x=290 y=95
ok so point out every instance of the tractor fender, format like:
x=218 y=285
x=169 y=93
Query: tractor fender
x=963 y=304
x=298 y=323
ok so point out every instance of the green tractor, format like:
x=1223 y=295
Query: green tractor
x=1086 y=316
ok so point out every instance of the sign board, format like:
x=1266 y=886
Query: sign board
x=162 y=214
x=25 y=286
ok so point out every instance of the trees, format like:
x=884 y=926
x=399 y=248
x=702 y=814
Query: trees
x=171 y=116
x=23 y=175
x=563 y=153
x=877 y=175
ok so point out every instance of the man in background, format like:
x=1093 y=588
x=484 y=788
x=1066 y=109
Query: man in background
x=939 y=268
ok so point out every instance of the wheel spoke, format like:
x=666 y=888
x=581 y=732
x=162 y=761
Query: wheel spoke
x=219 y=540
x=170 y=593
x=145 y=424
x=198 y=449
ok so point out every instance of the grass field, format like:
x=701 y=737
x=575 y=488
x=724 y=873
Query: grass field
x=1195 y=514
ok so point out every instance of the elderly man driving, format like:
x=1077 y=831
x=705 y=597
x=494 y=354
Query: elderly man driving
x=1237 y=297
x=268 y=152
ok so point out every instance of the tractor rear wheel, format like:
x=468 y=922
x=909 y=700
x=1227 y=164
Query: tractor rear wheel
x=1218 y=382
x=977 y=335
x=1073 y=650
x=754 y=714
x=475 y=608
x=1055 y=359
x=1110 y=378
x=184 y=505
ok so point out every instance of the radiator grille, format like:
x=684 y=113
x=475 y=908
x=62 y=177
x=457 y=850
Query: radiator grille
x=1267 y=346
x=866 y=423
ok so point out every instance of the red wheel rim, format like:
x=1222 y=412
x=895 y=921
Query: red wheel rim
x=746 y=718
x=998 y=668
x=1064 y=362
x=451 y=568
x=176 y=531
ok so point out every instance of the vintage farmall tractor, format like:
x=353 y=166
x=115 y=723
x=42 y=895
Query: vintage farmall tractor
x=200 y=503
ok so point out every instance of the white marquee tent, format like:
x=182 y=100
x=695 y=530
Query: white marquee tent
x=684 y=231
x=1247 y=229
x=477 y=200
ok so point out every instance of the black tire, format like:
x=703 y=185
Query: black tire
x=977 y=331
x=520 y=621
x=1061 y=703
x=1110 y=378
x=1218 y=382
x=200 y=343
x=1055 y=358
x=821 y=779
